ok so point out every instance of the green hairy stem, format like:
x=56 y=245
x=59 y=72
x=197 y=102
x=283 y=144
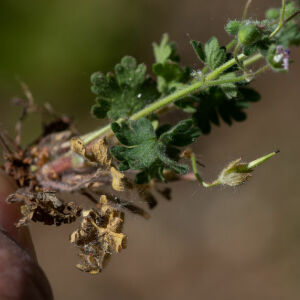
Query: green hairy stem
x=208 y=81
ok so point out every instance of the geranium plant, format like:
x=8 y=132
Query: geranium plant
x=136 y=152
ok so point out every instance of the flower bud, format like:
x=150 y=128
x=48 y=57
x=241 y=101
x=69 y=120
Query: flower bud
x=232 y=27
x=279 y=58
x=249 y=34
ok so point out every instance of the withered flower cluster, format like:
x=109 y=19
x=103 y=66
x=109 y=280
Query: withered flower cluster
x=57 y=164
x=99 y=236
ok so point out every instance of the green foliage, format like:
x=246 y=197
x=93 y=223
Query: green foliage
x=181 y=135
x=289 y=35
x=212 y=55
x=213 y=105
x=123 y=93
x=170 y=76
x=149 y=147
x=230 y=89
x=198 y=48
x=143 y=150
x=273 y=13
x=290 y=9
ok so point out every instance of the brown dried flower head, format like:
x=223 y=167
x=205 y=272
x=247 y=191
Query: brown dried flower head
x=44 y=207
x=99 y=236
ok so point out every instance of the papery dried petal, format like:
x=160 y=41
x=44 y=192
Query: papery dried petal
x=44 y=207
x=99 y=236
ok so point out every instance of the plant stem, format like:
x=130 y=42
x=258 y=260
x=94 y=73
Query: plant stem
x=89 y=137
x=262 y=69
x=291 y=17
x=246 y=9
x=197 y=175
x=230 y=45
x=180 y=93
x=281 y=20
x=235 y=55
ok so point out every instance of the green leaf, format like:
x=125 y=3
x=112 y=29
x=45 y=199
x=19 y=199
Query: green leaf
x=187 y=104
x=215 y=55
x=169 y=71
x=230 y=89
x=273 y=13
x=134 y=132
x=182 y=134
x=249 y=50
x=290 y=9
x=165 y=50
x=140 y=144
x=129 y=74
x=289 y=35
x=197 y=46
x=170 y=76
x=214 y=105
x=123 y=93
x=142 y=150
x=169 y=162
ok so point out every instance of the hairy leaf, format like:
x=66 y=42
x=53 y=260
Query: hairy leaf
x=230 y=89
x=143 y=150
x=123 y=93
x=214 y=105
x=170 y=76
x=289 y=35
x=198 y=48
x=215 y=55
x=182 y=134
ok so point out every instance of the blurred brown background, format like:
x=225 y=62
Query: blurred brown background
x=218 y=244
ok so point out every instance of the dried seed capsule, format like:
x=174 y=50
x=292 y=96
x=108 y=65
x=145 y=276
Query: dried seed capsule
x=249 y=34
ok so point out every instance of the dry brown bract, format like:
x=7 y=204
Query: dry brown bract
x=99 y=236
x=44 y=207
x=98 y=154
x=118 y=180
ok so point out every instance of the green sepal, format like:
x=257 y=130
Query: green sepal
x=232 y=27
x=276 y=64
